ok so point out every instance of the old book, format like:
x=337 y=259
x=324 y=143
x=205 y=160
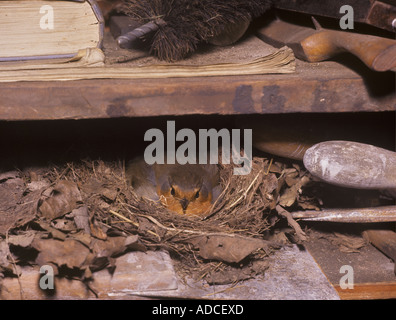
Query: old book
x=248 y=57
x=48 y=30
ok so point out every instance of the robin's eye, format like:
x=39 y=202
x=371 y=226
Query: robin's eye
x=197 y=195
x=172 y=191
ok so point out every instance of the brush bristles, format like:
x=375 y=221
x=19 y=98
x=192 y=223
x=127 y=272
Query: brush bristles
x=190 y=22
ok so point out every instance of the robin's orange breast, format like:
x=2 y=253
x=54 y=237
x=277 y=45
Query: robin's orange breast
x=188 y=189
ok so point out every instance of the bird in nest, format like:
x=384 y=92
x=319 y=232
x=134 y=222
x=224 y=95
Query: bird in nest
x=188 y=189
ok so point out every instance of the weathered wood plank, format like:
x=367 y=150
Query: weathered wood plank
x=324 y=87
x=368 y=291
x=135 y=271
x=293 y=274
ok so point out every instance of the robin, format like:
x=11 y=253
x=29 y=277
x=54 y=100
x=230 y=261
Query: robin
x=188 y=189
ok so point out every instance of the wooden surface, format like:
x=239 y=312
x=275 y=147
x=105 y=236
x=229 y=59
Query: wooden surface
x=373 y=274
x=318 y=87
x=368 y=291
x=292 y=275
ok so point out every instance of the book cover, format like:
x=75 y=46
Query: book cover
x=48 y=29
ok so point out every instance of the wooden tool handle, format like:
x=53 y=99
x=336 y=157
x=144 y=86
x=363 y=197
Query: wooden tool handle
x=384 y=240
x=377 y=53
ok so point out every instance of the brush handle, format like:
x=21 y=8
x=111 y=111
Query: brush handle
x=126 y=40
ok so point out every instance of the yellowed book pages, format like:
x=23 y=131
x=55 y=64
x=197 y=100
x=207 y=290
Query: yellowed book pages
x=280 y=61
x=248 y=57
x=32 y=29
x=89 y=57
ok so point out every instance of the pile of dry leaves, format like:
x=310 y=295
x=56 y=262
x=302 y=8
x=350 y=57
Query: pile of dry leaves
x=80 y=217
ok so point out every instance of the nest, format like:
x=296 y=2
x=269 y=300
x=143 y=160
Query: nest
x=243 y=208
x=246 y=211
x=90 y=206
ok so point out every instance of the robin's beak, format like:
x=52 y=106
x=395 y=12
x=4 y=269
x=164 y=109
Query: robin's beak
x=184 y=203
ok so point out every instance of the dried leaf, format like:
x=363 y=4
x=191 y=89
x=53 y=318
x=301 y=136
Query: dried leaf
x=55 y=233
x=104 y=252
x=24 y=239
x=92 y=186
x=37 y=185
x=276 y=167
x=70 y=252
x=8 y=175
x=96 y=231
x=16 y=206
x=5 y=265
x=348 y=243
x=292 y=179
x=114 y=246
x=301 y=236
x=231 y=249
x=81 y=218
x=110 y=193
x=81 y=251
x=65 y=225
x=11 y=192
x=65 y=197
x=288 y=198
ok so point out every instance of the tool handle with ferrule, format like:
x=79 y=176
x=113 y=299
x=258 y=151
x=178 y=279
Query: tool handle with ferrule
x=126 y=40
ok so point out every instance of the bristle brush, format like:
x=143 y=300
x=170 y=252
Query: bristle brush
x=177 y=27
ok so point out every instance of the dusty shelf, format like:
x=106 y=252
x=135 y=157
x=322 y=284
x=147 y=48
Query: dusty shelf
x=318 y=87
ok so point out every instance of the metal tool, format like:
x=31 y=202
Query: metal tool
x=357 y=165
x=358 y=215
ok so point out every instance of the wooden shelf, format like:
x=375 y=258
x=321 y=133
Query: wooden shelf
x=368 y=291
x=318 y=87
